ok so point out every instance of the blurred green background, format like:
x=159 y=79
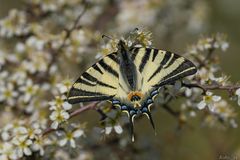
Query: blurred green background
x=195 y=142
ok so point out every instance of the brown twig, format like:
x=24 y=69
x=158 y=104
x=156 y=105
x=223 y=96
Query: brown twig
x=209 y=54
x=90 y=106
x=85 y=108
x=56 y=51
x=205 y=88
x=74 y=26
x=171 y=111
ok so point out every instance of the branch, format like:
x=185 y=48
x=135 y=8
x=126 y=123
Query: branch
x=91 y=106
x=205 y=88
x=74 y=26
x=172 y=112
x=209 y=54
x=56 y=51
x=177 y=115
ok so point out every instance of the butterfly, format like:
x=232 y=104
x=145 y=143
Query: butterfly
x=130 y=79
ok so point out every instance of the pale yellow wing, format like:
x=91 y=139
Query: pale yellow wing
x=99 y=82
x=159 y=67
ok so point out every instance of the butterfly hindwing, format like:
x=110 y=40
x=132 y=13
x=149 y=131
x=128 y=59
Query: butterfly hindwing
x=94 y=84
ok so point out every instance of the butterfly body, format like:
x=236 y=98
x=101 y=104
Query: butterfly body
x=130 y=79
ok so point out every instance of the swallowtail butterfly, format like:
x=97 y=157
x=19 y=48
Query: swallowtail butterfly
x=130 y=79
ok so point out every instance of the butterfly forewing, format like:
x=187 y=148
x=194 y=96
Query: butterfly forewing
x=99 y=82
x=159 y=67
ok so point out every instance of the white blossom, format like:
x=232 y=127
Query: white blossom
x=23 y=146
x=7 y=151
x=20 y=47
x=14 y=24
x=29 y=89
x=35 y=42
x=58 y=116
x=64 y=86
x=117 y=128
x=39 y=143
x=70 y=137
x=238 y=95
x=8 y=93
x=34 y=131
x=209 y=100
x=60 y=102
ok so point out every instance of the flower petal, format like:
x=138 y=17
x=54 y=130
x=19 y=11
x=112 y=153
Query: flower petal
x=78 y=133
x=211 y=107
x=54 y=125
x=67 y=106
x=72 y=143
x=238 y=92
x=65 y=114
x=108 y=130
x=118 y=129
x=27 y=151
x=63 y=142
x=239 y=100
x=53 y=115
x=209 y=93
x=201 y=105
x=216 y=98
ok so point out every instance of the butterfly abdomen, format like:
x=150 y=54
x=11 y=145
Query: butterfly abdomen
x=127 y=69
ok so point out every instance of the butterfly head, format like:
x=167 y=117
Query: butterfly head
x=122 y=45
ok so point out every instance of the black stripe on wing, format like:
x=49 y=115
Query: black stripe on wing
x=155 y=52
x=175 y=56
x=82 y=81
x=185 y=69
x=108 y=68
x=135 y=52
x=78 y=95
x=88 y=77
x=145 y=59
x=95 y=66
x=92 y=79
x=105 y=85
x=166 y=58
x=113 y=56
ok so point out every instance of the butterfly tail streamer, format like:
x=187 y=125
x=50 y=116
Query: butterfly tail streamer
x=131 y=120
x=149 y=116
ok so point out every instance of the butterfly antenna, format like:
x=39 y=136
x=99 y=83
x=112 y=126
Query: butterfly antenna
x=108 y=37
x=136 y=29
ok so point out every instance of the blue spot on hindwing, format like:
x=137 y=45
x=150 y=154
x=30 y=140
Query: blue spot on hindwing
x=132 y=112
x=144 y=109
x=149 y=101
x=124 y=107
x=115 y=102
x=155 y=92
